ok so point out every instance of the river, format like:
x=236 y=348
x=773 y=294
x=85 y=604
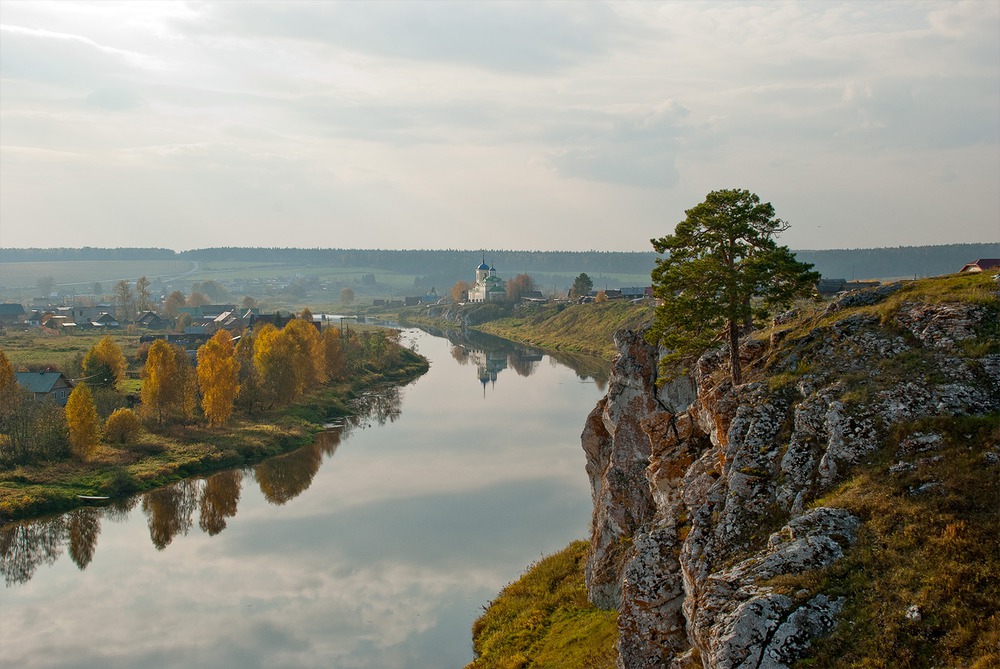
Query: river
x=376 y=547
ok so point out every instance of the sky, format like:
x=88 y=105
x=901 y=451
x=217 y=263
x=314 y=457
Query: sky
x=494 y=125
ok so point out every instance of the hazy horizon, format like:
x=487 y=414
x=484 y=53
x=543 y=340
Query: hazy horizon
x=493 y=125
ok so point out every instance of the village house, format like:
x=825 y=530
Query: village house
x=47 y=385
x=981 y=265
x=11 y=312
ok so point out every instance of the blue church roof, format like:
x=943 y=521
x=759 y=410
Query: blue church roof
x=483 y=266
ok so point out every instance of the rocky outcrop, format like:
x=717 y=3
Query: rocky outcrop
x=705 y=492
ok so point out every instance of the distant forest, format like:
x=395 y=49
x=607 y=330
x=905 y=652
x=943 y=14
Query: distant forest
x=442 y=266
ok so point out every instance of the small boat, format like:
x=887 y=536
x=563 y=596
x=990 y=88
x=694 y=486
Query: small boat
x=92 y=498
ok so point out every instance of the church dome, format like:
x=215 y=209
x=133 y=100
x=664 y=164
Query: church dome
x=484 y=266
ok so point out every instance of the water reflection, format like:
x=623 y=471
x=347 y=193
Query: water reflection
x=170 y=510
x=492 y=355
x=382 y=561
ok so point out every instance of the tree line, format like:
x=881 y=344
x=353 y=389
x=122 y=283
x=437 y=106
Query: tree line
x=245 y=374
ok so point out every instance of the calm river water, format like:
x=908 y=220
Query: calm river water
x=376 y=547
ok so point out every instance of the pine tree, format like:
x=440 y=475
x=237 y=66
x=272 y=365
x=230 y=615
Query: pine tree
x=722 y=268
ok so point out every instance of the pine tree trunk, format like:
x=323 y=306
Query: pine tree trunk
x=734 y=352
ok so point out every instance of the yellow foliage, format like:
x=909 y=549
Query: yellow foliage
x=104 y=364
x=122 y=426
x=169 y=384
x=218 y=377
x=81 y=418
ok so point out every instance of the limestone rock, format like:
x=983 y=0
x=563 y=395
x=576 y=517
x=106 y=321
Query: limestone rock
x=703 y=491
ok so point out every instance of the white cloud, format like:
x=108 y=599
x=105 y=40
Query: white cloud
x=478 y=124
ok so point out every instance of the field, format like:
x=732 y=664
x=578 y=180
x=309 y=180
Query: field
x=78 y=276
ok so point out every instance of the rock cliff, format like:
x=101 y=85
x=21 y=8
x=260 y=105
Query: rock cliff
x=707 y=495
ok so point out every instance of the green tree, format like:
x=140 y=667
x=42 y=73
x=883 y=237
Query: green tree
x=81 y=418
x=582 y=285
x=721 y=269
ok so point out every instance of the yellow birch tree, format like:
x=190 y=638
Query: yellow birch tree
x=82 y=421
x=169 y=384
x=218 y=377
x=104 y=364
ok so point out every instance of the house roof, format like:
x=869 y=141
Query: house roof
x=981 y=265
x=11 y=309
x=39 y=382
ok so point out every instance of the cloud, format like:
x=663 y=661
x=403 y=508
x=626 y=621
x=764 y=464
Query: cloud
x=494 y=36
x=633 y=148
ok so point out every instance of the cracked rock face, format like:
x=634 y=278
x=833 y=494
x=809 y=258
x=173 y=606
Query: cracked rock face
x=704 y=492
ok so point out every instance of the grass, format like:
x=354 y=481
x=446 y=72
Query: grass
x=580 y=328
x=936 y=551
x=544 y=620
x=921 y=585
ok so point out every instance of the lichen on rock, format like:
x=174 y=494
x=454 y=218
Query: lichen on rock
x=704 y=492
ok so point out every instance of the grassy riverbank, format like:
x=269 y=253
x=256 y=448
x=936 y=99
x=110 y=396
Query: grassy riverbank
x=575 y=328
x=544 y=620
x=183 y=450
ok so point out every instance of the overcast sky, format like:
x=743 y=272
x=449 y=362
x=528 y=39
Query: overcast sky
x=574 y=125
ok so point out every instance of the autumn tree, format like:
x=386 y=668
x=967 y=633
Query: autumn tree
x=249 y=302
x=601 y=297
x=212 y=289
x=8 y=384
x=460 y=291
x=248 y=395
x=347 y=296
x=97 y=289
x=169 y=384
x=104 y=365
x=142 y=297
x=333 y=354
x=582 y=285
x=307 y=354
x=173 y=303
x=721 y=268
x=306 y=314
x=218 y=377
x=519 y=286
x=124 y=300
x=196 y=299
x=82 y=421
x=122 y=427
x=273 y=358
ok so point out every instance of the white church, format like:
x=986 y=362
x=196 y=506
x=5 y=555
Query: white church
x=488 y=287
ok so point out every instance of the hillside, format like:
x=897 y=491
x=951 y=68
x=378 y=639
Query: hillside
x=838 y=509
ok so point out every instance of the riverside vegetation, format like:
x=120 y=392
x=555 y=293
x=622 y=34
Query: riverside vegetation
x=916 y=583
x=267 y=395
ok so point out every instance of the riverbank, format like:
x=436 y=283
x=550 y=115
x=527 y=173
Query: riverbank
x=576 y=328
x=183 y=450
x=545 y=616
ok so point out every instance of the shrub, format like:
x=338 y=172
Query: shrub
x=122 y=427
